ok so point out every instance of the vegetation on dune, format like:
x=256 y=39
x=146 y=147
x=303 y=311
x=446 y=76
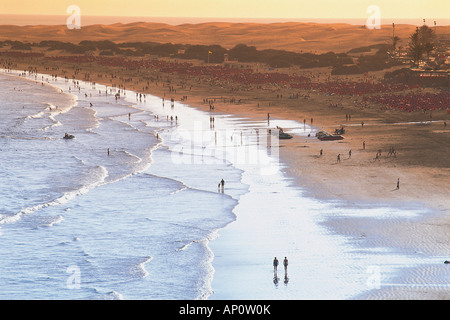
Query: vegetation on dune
x=207 y=53
x=356 y=61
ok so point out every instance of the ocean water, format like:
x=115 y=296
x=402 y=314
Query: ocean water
x=78 y=223
x=131 y=208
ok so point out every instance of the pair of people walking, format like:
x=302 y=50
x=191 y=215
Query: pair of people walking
x=275 y=264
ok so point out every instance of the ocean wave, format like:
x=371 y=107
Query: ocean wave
x=180 y=190
x=139 y=165
x=35 y=116
x=55 y=123
x=65 y=198
x=10 y=218
x=26 y=137
x=54 y=112
x=139 y=269
x=129 y=154
x=187 y=245
x=50 y=221
x=111 y=295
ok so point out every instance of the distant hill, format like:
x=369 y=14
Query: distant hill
x=295 y=36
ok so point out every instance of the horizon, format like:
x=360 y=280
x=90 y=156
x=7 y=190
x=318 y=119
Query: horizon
x=86 y=20
x=178 y=11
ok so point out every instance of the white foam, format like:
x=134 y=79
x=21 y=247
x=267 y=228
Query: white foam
x=51 y=221
x=140 y=268
x=65 y=198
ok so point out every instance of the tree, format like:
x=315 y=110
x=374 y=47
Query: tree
x=427 y=37
x=395 y=40
x=421 y=42
x=415 y=49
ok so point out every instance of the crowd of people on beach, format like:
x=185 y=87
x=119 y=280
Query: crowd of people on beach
x=413 y=101
x=20 y=54
x=351 y=88
x=217 y=72
x=383 y=93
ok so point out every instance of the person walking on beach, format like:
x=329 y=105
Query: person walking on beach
x=275 y=264
x=285 y=264
x=222 y=184
x=398 y=183
x=338 y=158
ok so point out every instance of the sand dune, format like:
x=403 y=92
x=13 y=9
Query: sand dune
x=291 y=36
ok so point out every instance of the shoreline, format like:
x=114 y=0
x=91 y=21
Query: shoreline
x=203 y=242
x=301 y=156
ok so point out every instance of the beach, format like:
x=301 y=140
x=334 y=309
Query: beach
x=420 y=139
x=352 y=217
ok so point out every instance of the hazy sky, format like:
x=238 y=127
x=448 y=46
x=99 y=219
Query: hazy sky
x=295 y=9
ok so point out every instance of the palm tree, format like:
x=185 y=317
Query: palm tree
x=395 y=40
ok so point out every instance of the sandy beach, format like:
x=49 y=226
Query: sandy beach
x=422 y=151
x=367 y=172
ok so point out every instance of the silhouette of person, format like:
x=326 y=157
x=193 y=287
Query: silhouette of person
x=275 y=264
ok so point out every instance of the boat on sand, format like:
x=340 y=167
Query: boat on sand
x=324 y=136
x=281 y=134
